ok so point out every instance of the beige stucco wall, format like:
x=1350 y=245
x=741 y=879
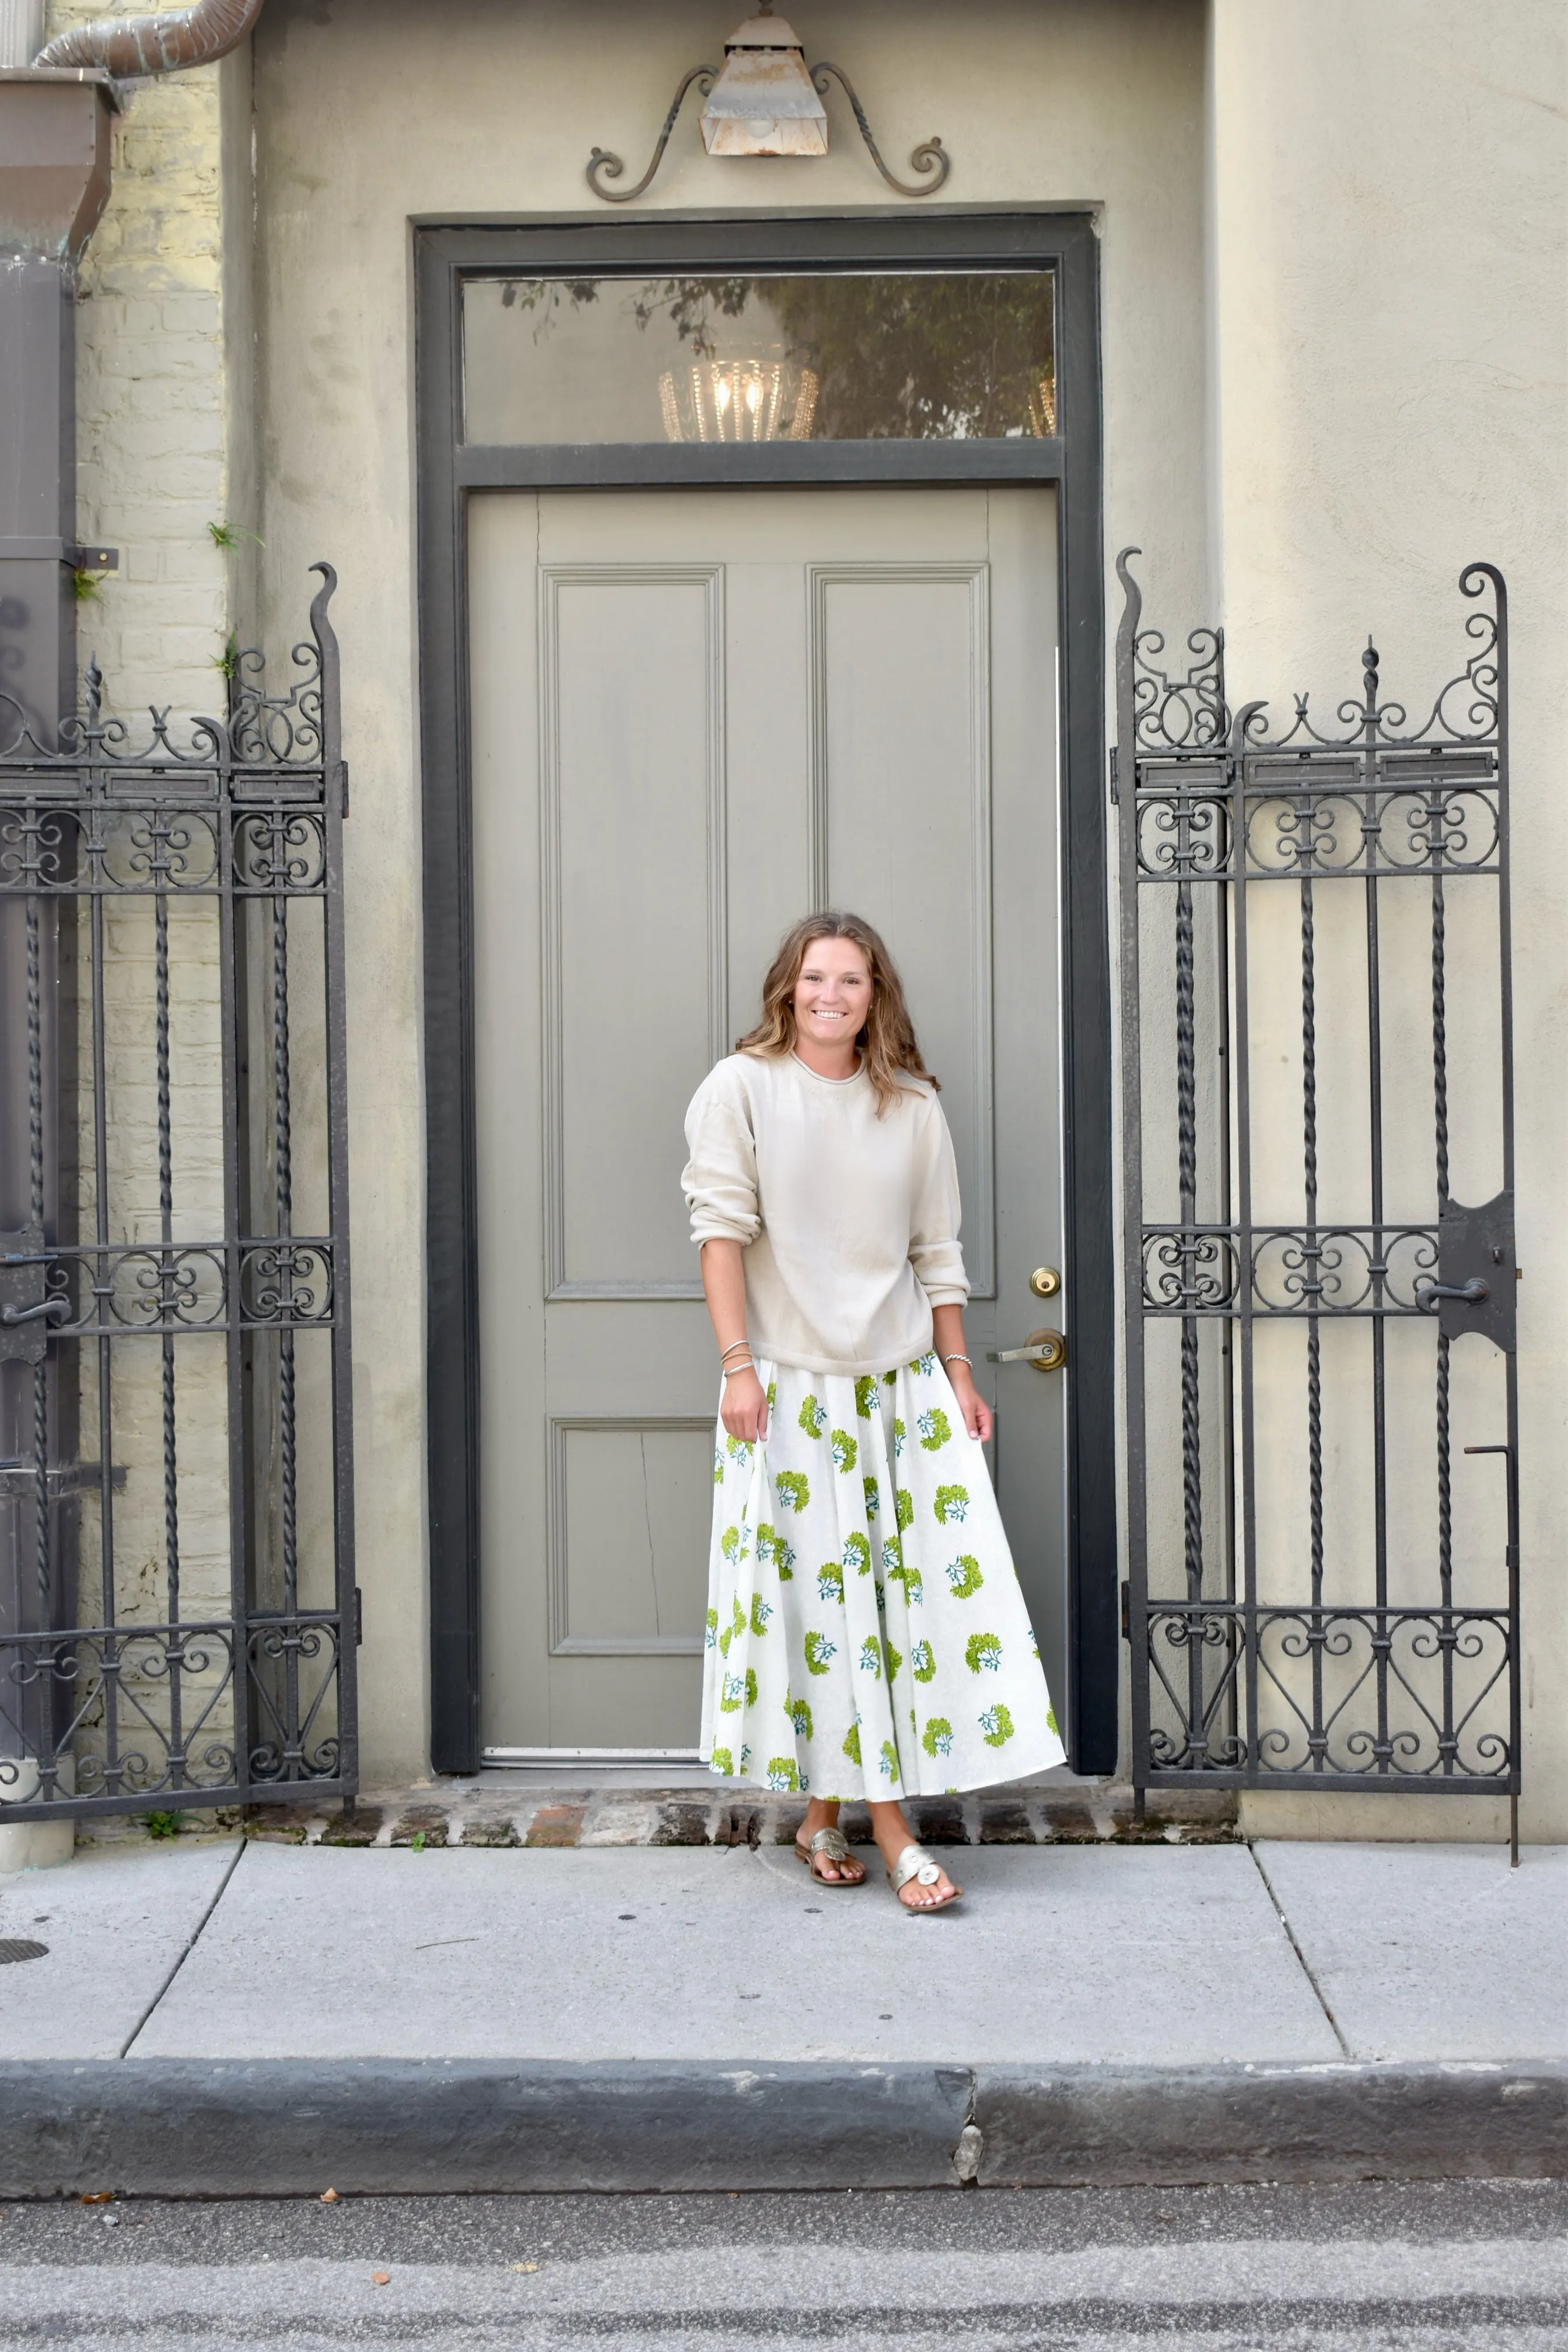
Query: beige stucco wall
x=384 y=109
x=1388 y=202
x=1332 y=329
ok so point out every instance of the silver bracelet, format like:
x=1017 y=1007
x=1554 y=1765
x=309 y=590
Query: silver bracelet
x=956 y=1359
x=747 y=1367
x=735 y=1347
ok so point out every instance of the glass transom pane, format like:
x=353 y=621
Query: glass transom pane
x=929 y=355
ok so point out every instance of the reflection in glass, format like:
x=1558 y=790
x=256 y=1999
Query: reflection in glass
x=915 y=356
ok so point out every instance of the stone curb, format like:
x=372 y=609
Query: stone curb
x=180 y=2127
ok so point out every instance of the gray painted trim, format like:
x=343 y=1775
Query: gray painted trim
x=563 y=1643
x=1023 y=237
x=179 y=2127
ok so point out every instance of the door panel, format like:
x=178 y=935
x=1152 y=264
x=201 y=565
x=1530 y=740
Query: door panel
x=694 y=714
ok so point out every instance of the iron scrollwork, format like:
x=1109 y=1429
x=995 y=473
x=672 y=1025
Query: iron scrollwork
x=1289 y=1626
x=172 y=1615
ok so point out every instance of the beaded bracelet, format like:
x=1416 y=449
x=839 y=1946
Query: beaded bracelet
x=956 y=1359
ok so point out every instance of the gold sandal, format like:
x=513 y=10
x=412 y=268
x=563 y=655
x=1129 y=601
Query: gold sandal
x=833 y=1846
x=915 y=1863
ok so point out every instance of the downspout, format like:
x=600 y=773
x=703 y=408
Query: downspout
x=131 y=47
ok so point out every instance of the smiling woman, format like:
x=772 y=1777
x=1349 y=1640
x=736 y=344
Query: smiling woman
x=854 y=1522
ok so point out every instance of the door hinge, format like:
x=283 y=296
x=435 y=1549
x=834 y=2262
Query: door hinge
x=359 y=1617
x=1126 y=1610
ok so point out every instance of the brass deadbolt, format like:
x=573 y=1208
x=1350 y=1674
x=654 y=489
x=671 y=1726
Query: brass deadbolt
x=1045 y=1282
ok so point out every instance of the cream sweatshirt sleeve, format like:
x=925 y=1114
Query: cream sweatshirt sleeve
x=934 y=1251
x=720 y=1180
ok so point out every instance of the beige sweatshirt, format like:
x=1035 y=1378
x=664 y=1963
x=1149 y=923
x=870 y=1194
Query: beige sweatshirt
x=848 y=1222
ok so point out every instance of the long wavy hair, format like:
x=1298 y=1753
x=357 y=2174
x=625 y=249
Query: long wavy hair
x=887 y=1037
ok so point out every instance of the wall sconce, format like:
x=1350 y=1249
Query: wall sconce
x=766 y=100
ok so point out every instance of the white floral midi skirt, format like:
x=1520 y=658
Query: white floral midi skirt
x=866 y=1632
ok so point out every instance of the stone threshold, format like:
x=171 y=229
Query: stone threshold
x=472 y=1813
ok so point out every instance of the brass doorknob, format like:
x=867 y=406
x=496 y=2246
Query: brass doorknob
x=1046 y=1351
x=1045 y=1282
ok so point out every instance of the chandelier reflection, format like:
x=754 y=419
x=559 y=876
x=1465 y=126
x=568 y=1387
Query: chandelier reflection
x=738 y=400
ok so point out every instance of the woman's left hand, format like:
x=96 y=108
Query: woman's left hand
x=977 y=1414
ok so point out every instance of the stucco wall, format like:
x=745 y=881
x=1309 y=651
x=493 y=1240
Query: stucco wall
x=1388 y=205
x=376 y=111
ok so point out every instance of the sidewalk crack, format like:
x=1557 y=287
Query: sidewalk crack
x=191 y=1940
x=1301 y=1956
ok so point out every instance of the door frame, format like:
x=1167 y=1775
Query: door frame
x=449 y=472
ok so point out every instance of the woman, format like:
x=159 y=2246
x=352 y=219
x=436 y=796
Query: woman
x=866 y=1632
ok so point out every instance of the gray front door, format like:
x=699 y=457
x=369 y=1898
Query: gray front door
x=696 y=714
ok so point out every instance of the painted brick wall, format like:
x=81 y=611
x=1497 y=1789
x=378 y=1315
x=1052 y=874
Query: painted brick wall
x=156 y=420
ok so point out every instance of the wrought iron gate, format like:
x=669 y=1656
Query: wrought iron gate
x=176 y=1608
x=1317 y=1050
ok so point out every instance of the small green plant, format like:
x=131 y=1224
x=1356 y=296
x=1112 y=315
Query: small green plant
x=228 y=661
x=87 y=587
x=227 y=536
x=161 y=1825
x=416 y=1843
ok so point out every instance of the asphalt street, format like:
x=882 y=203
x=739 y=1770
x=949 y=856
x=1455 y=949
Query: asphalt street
x=1374 y=2267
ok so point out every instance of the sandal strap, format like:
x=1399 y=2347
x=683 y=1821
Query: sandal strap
x=914 y=1862
x=831 y=1844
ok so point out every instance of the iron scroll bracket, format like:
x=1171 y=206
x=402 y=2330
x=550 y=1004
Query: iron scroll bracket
x=1477 y=1278
x=26 y=1312
x=931 y=159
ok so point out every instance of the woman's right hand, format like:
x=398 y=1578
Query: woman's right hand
x=744 y=1409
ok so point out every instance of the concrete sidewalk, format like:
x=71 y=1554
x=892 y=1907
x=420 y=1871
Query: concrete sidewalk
x=225 y=2018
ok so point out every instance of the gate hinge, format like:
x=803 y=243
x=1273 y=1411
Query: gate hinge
x=340 y=784
x=359 y=1617
x=1126 y=1610
x=1115 y=781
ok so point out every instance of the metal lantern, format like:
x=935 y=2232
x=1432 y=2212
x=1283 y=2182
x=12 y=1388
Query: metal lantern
x=763 y=102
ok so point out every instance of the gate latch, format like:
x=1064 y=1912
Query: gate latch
x=1476 y=1277
x=25 y=1314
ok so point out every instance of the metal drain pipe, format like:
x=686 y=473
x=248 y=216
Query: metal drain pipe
x=167 y=43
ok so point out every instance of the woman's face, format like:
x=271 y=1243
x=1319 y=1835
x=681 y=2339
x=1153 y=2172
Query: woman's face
x=833 y=992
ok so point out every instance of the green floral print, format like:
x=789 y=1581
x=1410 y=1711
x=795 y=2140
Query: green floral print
x=937 y=1739
x=844 y=1449
x=922 y=1661
x=893 y=1659
x=904 y=1505
x=772 y=1395
x=964 y=1576
x=935 y=1429
x=852 y=1741
x=873 y=1494
x=761 y=1612
x=724 y=1761
x=732 y=1544
x=983 y=1653
x=783 y=1773
x=889 y=1762
x=819 y=1651
x=912 y=1582
x=711 y=1637
x=871 y=1656
x=739 y=1449
x=718 y=1466
x=899 y=1435
x=857 y=1552
x=867 y=1401
x=997 y=1726
x=1051 y=1721
x=793 y=1490
x=799 y=1713
x=773 y=1552
x=813 y=1418
x=952 y=1503
x=924 y=1365
x=739 y=1690
x=830 y=1583
x=737 y=1625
